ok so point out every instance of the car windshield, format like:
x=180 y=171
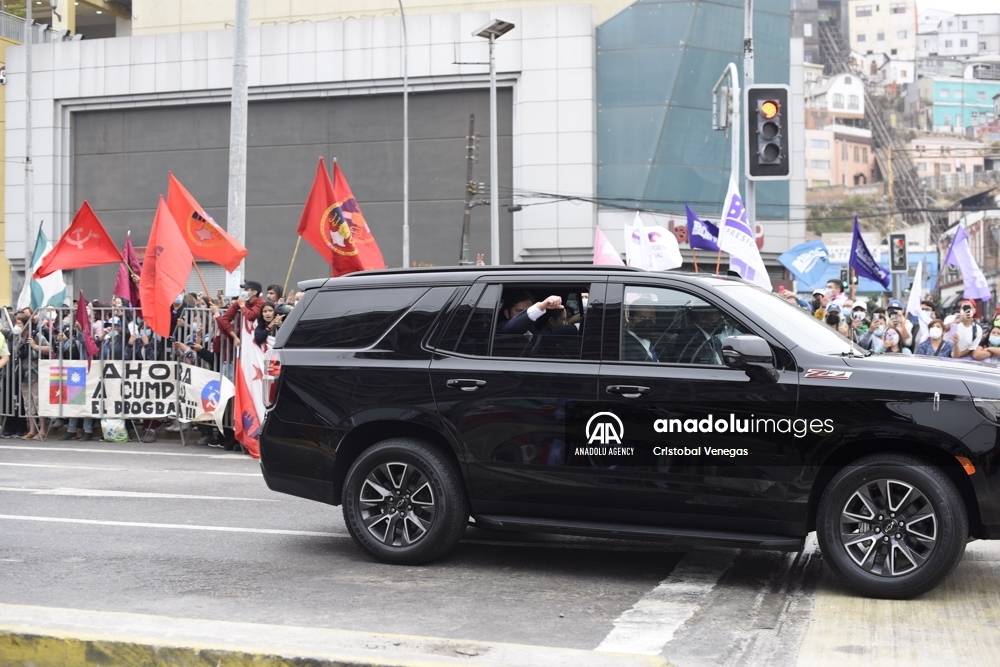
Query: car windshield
x=794 y=322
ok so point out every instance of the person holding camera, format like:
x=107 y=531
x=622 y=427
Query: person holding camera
x=967 y=332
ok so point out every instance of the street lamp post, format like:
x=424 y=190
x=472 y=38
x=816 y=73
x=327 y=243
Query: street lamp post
x=406 y=144
x=492 y=31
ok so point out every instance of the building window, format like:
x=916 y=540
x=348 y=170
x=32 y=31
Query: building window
x=820 y=164
x=901 y=34
x=848 y=80
x=902 y=74
x=857 y=154
x=807 y=29
x=880 y=36
x=975 y=117
x=864 y=155
x=945 y=93
x=958 y=94
x=958 y=120
x=853 y=102
x=982 y=46
x=863 y=10
x=892 y=52
x=860 y=37
x=819 y=143
x=897 y=8
x=947 y=120
x=843 y=151
x=921 y=166
x=945 y=168
x=965 y=25
x=981 y=95
x=838 y=101
x=964 y=43
x=947 y=43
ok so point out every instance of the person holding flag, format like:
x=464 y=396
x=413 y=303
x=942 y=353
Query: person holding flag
x=863 y=263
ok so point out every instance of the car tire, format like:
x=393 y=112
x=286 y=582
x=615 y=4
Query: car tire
x=864 y=526
x=404 y=503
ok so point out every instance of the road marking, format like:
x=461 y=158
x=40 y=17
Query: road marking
x=233 y=457
x=193 y=472
x=652 y=621
x=180 y=526
x=107 y=493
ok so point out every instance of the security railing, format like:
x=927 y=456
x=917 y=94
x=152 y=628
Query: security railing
x=12 y=28
x=47 y=367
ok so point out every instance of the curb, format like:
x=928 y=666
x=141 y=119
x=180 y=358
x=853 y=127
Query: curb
x=54 y=637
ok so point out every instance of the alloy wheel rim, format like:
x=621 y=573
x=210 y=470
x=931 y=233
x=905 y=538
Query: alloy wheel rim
x=888 y=527
x=397 y=504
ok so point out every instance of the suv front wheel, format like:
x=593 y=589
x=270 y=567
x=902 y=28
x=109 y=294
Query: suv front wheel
x=892 y=525
x=403 y=502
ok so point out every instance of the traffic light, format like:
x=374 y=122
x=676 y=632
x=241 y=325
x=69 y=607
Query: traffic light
x=845 y=277
x=898 y=262
x=767 y=143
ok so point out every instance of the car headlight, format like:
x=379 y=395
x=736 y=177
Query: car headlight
x=989 y=407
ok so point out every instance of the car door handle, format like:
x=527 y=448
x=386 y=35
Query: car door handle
x=466 y=385
x=627 y=390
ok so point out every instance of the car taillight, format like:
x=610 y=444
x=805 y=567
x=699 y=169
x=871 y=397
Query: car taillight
x=271 y=378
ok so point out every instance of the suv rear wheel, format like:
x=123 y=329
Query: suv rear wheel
x=892 y=525
x=403 y=502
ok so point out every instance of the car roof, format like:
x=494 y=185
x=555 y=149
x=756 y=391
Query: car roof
x=466 y=274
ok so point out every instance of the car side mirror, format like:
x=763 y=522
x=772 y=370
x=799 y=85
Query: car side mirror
x=751 y=354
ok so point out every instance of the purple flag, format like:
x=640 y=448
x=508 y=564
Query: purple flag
x=960 y=255
x=862 y=260
x=701 y=233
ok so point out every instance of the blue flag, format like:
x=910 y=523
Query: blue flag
x=862 y=260
x=807 y=261
x=701 y=233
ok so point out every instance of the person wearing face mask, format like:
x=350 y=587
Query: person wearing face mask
x=873 y=338
x=968 y=333
x=641 y=332
x=893 y=341
x=989 y=351
x=935 y=344
x=247 y=306
x=832 y=317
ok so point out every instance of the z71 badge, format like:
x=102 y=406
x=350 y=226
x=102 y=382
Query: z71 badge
x=821 y=374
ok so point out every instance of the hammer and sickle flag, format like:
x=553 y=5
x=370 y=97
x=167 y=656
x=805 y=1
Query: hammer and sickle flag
x=84 y=243
x=165 y=270
x=204 y=237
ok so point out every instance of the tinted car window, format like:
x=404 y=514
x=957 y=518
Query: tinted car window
x=668 y=326
x=352 y=319
x=475 y=338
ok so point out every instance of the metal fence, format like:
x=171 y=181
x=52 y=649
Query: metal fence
x=52 y=334
x=12 y=28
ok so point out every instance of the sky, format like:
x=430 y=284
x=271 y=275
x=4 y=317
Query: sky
x=961 y=6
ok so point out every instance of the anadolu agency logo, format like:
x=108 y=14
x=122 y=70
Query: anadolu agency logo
x=604 y=428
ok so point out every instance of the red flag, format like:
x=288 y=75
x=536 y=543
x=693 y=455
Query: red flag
x=323 y=226
x=127 y=284
x=84 y=243
x=203 y=235
x=246 y=424
x=165 y=270
x=89 y=344
x=350 y=211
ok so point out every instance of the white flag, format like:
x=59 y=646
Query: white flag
x=634 y=247
x=661 y=249
x=737 y=238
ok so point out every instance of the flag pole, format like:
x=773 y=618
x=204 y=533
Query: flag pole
x=853 y=275
x=288 y=276
x=694 y=255
x=201 y=278
x=718 y=261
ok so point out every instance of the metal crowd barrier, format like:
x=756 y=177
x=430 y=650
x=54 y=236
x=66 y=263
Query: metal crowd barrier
x=55 y=329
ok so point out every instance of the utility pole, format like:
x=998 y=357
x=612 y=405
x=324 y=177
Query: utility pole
x=29 y=168
x=406 y=146
x=470 y=190
x=897 y=278
x=238 y=135
x=749 y=186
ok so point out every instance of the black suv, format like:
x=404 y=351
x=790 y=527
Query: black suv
x=698 y=409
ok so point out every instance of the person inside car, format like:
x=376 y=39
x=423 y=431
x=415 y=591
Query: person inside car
x=640 y=332
x=520 y=315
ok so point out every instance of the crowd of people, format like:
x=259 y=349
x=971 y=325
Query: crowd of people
x=204 y=331
x=957 y=333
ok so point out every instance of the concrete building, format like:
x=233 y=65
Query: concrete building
x=601 y=106
x=889 y=28
x=946 y=161
x=839 y=155
x=835 y=99
x=946 y=104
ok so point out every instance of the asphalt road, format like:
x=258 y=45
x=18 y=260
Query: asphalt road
x=194 y=533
